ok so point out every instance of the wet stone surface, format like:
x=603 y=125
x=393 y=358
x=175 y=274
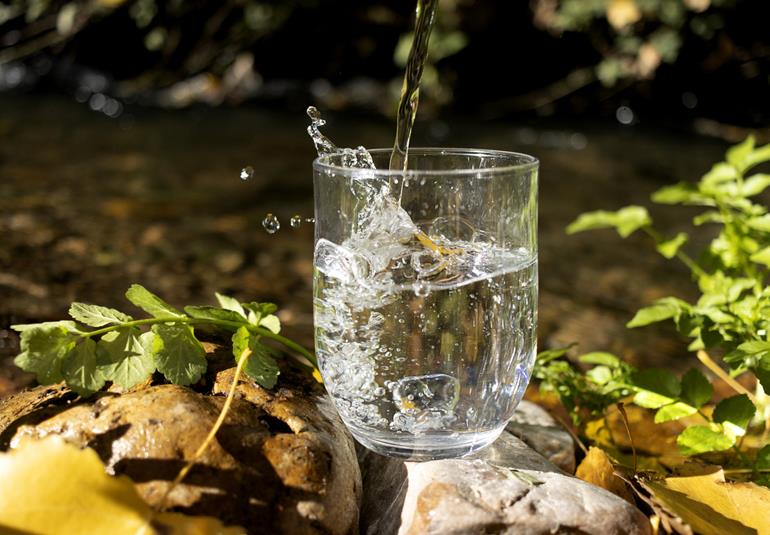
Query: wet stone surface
x=509 y=488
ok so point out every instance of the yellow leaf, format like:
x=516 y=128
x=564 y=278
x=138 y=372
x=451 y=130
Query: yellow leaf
x=621 y=13
x=714 y=507
x=317 y=375
x=51 y=487
x=596 y=468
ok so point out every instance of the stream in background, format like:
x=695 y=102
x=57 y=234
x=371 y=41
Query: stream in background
x=90 y=204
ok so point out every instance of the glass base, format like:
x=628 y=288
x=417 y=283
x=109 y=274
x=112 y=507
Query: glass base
x=427 y=447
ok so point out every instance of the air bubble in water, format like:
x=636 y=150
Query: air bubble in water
x=296 y=221
x=420 y=289
x=247 y=172
x=271 y=224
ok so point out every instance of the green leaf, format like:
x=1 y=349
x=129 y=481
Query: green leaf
x=600 y=358
x=760 y=223
x=738 y=410
x=711 y=216
x=674 y=411
x=214 y=313
x=257 y=311
x=669 y=248
x=631 y=219
x=651 y=400
x=699 y=439
x=696 y=389
x=737 y=155
x=757 y=156
x=261 y=366
x=97 y=316
x=681 y=193
x=551 y=354
x=151 y=303
x=230 y=303
x=271 y=323
x=755 y=184
x=125 y=357
x=626 y=220
x=80 y=370
x=600 y=375
x=178 y=355
x=762 y=256
x=43 y=348
x=662 y=309
x=657 y=380
x=68 y=326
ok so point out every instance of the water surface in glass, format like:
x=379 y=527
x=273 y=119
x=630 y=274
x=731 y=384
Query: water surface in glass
x=426 y=310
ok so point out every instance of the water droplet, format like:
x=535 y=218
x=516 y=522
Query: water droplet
x=271 y=224
x=310 y=220
x=296 y=221
x=247 y=172
x=379 y=391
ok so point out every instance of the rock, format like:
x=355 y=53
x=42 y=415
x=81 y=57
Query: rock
x=282 y=462
x=537 y=429
x=506 y=488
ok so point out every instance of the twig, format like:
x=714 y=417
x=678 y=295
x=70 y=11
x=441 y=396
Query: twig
x=212 y=433
x=624 y=417
x=719 y=372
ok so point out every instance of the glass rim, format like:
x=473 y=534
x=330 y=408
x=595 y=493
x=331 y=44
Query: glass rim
x=529 y=162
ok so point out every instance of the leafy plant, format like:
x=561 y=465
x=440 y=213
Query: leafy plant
x=730 y=318
x=732 y=311
x=104 y=344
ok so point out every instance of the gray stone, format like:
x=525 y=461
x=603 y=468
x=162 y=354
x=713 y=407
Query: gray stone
x=538 y=430
x=507 y=488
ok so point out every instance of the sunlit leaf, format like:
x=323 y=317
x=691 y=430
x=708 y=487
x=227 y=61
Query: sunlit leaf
x=713 y=506
x=97 y=316
x=151 y=303
x=675 y=411
x=699 y=439
x=51 y=487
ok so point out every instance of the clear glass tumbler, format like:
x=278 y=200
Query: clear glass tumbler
x=425 y=296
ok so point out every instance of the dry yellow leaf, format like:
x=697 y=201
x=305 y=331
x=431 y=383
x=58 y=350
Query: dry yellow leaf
x=621 y=13
x=596 y=468
x=713 y=506
x=51 y=487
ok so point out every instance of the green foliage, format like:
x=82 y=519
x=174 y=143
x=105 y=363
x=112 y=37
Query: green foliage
x=588 y=394
x=731 y=316
x=117 y=350
x=634 y=36
x=733 y=312
x=699 y=439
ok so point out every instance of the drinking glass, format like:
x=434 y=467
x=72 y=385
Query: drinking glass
x=425 y=295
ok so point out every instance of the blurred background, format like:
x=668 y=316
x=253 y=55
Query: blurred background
x=125 y=124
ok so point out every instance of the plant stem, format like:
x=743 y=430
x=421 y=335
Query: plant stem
x=745 y=470
x=212 y=433
x=719 y=372
x=221 y=323
x=681 y=255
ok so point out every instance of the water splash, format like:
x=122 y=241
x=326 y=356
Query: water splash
x=358 y=158
x=247 y=172
x=271 y=224
x=322 y=143
x=296 y=221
